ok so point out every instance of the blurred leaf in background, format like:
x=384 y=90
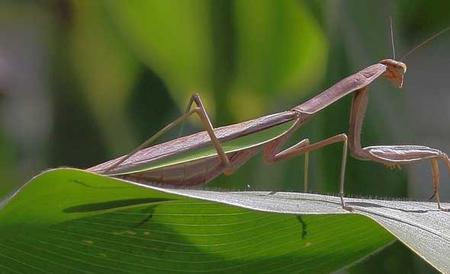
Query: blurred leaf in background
x=115 y=72
x=106 y=71
x=174 y=39
x=25 y=105
x=280 y=50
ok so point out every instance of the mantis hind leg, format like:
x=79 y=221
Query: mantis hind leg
x=204 y=117
x=195 y=98
x=206 y=122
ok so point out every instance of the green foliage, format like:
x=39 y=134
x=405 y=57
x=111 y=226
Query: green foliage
x=173 y=38
x=279 y=50
x=115 y=72
x=6 y=170
x=270 y=43
x=72 y=221
x=106 y=71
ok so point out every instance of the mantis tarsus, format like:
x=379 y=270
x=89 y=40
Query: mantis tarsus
x=142 y=163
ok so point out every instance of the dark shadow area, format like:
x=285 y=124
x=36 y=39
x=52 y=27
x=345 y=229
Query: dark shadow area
x=99 y=187
x=360 y=204
x=149 y=210
x=148 y=105
x=303 y=225
x=113 y=204
x=365 y=204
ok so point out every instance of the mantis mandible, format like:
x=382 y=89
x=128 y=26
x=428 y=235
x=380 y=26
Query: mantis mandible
x=146 y=164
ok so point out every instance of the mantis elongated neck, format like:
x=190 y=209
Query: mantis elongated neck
x=342 y=88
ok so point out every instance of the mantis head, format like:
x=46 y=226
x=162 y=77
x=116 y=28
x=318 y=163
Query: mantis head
x=394 y=71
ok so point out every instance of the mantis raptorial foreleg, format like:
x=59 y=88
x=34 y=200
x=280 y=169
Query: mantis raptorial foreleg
x=390 y=155
x=304 y=147
x=403 y=155
x=206 y=122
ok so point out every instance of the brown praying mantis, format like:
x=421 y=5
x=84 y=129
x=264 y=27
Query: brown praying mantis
x=225 y=149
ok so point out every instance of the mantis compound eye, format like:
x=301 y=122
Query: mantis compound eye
x=394 y=65
x=394 y=71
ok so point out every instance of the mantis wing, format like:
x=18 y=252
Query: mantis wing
x=198 y=146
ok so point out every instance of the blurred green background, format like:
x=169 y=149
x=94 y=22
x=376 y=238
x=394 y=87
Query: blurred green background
x=84 y=81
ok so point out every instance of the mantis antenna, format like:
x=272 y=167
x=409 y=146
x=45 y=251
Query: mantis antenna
x=425 y=42
x=392 y=37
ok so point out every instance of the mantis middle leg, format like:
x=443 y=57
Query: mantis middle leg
x=304 y=147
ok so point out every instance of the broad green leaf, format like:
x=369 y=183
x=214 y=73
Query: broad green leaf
x=72 y=221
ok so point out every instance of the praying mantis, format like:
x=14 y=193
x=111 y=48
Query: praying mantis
x=224 y=149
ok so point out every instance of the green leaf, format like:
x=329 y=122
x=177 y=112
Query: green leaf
x=69 y=220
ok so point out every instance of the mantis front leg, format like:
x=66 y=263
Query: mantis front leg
x=407 y=154
x=391 y=155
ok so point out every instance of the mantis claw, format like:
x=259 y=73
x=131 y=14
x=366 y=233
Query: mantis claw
x=348 y=208
x=443 y=209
